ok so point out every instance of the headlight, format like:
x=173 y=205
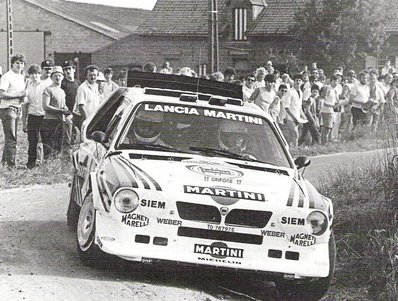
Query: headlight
x=318 y=222
x=126 y=200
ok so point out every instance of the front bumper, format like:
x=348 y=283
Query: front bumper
x=158 y=239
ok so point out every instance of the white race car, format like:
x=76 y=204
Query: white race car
x=177 y=169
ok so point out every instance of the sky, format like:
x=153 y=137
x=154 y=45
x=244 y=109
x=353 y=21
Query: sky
x=145 y=4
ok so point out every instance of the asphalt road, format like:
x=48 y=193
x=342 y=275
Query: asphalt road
x=38 y=258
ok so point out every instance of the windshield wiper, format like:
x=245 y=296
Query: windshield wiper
x=225 y=153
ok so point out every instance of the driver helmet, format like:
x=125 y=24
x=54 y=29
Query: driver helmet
x=232 y=135
x=147 y=126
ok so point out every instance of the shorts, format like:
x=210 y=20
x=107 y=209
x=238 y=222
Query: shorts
x=327 y=120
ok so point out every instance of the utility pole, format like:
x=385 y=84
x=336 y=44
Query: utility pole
x=213 y=36
x=10 y=31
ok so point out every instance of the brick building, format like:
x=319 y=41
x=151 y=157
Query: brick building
x=59 y=30
x=251 y=32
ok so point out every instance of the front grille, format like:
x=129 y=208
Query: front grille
x=198 y=212
x=220 y=235
x=248 y=218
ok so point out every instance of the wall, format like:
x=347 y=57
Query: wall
x=60 y=34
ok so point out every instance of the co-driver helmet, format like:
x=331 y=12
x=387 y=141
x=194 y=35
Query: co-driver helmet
x=232 y=135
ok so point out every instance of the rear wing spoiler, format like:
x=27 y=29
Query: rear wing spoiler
x=183 y=83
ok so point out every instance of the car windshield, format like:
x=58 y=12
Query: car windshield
x=208 y=131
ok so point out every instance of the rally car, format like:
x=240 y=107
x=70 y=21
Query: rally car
x=178 y=169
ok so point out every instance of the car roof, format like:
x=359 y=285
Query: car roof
x=138 y=95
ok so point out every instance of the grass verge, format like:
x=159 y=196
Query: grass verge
x=366 y=202
x=53 y=171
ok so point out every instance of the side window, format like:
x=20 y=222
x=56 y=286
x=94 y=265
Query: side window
x=102 y=119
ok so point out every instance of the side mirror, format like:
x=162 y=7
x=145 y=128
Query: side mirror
x=301 y=162
x=99 y=137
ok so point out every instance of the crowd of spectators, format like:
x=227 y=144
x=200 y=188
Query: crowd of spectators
x=52 y=104
x=309 y=107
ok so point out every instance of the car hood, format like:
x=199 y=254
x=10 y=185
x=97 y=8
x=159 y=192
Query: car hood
x=225 y=183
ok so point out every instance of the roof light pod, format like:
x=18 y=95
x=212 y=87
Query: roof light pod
x=189 y=97
x=218 y=101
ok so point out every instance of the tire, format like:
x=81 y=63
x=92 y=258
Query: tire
x=309 y=290
x=89 y=253
x=72 y=214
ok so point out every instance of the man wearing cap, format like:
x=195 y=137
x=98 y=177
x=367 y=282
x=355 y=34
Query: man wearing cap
x=56 y=115
x=87 y=97
x=12 y=93
x=46 y=67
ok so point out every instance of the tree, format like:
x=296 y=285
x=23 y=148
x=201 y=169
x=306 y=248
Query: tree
x=336 y=32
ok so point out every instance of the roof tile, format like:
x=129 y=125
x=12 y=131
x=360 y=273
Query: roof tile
x=121 y=21
x=179 y=17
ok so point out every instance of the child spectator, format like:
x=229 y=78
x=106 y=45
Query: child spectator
x=328 y=101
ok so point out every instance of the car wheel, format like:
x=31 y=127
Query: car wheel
x=309 y=290
x=72 y=214
x=89 y=253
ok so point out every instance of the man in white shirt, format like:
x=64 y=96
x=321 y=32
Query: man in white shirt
x=12 y=93
x=292 y=104
x=360 y=96
x=87 y=97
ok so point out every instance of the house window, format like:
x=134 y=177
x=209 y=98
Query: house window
x=240 y=24
x=202 y=69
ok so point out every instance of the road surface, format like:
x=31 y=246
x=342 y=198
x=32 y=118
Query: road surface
x=38 y=259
